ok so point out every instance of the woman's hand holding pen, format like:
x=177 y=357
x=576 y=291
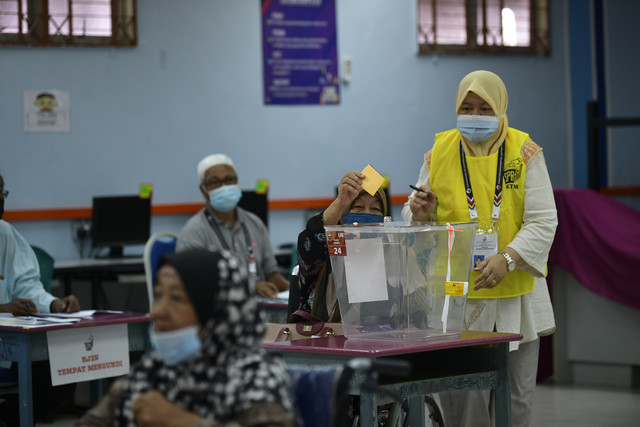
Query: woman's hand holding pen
x=422 y=203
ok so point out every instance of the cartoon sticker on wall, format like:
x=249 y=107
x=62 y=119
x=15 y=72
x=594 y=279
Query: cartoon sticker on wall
x=46 y=111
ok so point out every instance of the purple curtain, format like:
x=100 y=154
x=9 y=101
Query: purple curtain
x=598 y=241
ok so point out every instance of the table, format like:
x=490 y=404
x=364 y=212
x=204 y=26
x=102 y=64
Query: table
x=275 y=309
x=473 y=361
x=23 y=346
x=96 y=269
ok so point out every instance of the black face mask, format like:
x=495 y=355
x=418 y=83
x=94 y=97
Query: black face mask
x=1 y=208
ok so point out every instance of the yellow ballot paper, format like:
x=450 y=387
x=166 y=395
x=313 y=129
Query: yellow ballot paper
x=373 y=180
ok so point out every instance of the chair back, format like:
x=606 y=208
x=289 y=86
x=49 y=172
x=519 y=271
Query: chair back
x=45 y=262
x=294 y=291
x=320 y=394
x=163 y=242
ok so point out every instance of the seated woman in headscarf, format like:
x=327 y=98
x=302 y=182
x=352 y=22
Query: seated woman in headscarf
x=208 y=367
x=317 y=290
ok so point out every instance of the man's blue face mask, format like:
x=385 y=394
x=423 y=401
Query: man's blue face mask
x=225 y=198
x=362 y=218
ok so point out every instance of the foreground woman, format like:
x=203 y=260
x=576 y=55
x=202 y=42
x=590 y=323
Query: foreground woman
x=208 y=367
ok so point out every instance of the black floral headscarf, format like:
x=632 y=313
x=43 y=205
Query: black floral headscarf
x=232 y=371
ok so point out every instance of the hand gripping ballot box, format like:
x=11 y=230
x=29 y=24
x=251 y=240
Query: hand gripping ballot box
x=401 y=281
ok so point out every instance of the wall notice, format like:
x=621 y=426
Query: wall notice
x=46 y=111
x=300 y=52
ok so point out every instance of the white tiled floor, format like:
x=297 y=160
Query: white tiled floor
x=556 y=406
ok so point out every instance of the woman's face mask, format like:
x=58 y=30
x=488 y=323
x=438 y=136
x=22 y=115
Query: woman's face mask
x=176 y=346
x=225 y=198
x=362 y=218
x=477 y=128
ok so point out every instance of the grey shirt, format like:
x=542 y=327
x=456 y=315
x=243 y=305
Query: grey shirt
x=199 y=233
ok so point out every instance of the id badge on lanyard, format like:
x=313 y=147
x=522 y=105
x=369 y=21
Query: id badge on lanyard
x=253 y=267
x=485 y=243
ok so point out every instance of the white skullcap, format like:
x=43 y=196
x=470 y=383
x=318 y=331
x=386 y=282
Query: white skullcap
x=212 y=160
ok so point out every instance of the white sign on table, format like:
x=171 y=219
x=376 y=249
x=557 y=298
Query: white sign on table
x=90 y=353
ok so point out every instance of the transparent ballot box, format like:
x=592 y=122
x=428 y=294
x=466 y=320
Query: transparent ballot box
x=401 y=281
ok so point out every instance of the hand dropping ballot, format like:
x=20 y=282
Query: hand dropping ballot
x=364 y=265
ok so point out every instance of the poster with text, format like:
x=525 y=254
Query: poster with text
x=300 y=52
x=46 y=111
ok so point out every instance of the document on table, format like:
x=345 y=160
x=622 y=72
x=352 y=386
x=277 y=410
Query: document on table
x=82 y=314
x=283 y=295
x=9 y=319
x=37 y=320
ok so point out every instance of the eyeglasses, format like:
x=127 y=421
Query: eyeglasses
x=212 y=184
x=4 y=194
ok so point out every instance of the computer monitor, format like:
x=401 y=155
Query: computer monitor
x=118 y=221
x=255 y=203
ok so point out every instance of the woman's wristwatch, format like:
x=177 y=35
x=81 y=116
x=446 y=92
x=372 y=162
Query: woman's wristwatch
x=511 y=264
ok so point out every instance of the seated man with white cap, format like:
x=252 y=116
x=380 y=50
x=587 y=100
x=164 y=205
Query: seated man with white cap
x=221 y=224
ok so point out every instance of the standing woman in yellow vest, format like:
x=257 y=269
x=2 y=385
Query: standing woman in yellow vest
x=487 y=172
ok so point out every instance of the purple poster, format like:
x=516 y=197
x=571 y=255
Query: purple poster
x=299 y=48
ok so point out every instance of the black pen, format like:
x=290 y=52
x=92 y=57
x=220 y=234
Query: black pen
x=418 y=189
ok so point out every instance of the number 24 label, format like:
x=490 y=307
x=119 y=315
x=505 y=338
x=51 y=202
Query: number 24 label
x=338 y=251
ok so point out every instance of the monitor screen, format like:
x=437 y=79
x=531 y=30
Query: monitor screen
x=118 y=221
x=255 y=203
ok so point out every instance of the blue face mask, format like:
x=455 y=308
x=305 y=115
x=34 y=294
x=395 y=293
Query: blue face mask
x=225 y=198
x=477 y=128
x=362 y=218
x=176 y=346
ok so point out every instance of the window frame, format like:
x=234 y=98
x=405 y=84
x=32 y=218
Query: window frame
x=539 y=27
x=124 y=27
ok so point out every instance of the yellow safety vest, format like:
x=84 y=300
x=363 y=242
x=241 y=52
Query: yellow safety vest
x=447 y=182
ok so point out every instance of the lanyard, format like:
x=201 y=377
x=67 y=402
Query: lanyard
x=497 y=197
x=225 y=245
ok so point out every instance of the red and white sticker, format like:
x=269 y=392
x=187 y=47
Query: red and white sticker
x=336 y=243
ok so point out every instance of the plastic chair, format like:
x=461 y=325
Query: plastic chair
x=320 y=394
x=160 y=243
x=45 y=261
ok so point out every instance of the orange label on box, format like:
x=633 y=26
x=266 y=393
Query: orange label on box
x=336 y=243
